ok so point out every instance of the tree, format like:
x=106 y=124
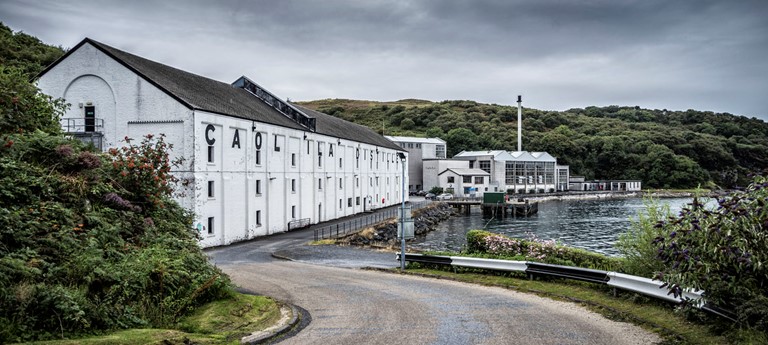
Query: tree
x=23 y=108
x=460 y=139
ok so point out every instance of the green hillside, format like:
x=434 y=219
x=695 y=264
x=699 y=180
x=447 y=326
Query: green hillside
x=665 y=149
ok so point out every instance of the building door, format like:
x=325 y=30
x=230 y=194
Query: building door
x=90 y=118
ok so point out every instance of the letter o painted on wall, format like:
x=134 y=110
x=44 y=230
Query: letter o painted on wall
x=257 y=140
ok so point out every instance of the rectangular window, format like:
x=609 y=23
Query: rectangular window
x=293 y=185
x=210 y=190
x=478 y=180
x=440 y=151
x=339 y=203
x=451 y=179
x=210 y=154
x=349 y=202
x=418 y=146
x=471 y=164
x=257 y=157
x=357 y=201
x=320 y=184
x=293 y=159
x=377 y=180
x=410 y=145
x=357 y=182
x=258 y=187
x=340 y=183
x=340 y=164
x=467 y=179
x=485 y=166
x=277 y=148
x=293 y=212
x=210 y=225
x=258 y=218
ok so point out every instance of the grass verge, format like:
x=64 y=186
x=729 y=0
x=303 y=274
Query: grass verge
x=629 y=307
x=220 y=322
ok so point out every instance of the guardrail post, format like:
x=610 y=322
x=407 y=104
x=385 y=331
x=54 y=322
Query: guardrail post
x=337 y=230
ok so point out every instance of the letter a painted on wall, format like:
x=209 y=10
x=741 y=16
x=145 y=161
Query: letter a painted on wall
x=330 y=150
x=208 y=130
x=236 y=139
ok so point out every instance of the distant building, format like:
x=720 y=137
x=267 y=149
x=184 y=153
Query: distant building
x=256 y=165
x=519 y=172
x=578 y=183
x=464 y=182
x=420 y=149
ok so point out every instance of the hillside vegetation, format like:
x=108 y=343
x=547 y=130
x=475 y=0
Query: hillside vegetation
x=665 y=149
x=89 y=242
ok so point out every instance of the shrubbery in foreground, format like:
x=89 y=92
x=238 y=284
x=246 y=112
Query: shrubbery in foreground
x=92 y=242
x=487 y=244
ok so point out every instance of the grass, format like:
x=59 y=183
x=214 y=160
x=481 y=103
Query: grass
x=649 y=314
x=220 y=322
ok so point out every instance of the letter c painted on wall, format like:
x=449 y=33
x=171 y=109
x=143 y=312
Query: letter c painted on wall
x=208 y=130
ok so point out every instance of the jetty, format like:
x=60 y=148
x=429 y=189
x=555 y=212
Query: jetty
x=497 y=205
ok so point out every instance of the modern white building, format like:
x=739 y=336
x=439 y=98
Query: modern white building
x=519 y=172
x=257 y=165
x=578 y=183
x=433 y=168
x=464 y=182
x=419 y=150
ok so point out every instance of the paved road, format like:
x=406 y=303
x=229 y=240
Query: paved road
x=352 y=306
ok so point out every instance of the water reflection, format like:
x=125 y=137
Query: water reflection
x=589 y=224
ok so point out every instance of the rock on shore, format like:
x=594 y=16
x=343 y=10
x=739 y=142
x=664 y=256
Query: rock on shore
x=385 y=233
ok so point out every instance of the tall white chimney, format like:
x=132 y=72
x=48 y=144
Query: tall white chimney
x=519 y=122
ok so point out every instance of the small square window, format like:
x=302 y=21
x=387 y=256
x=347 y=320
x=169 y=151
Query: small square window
x=211 y=193
x=210 y=225
x=210 y=154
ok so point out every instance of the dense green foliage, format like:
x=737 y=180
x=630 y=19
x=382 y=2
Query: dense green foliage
x=665 y=149
x=88 y=241
x=84 y=250
x=721 y=249
x=25 y=53
x=485 y=244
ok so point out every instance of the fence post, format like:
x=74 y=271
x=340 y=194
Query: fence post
x=337 y=230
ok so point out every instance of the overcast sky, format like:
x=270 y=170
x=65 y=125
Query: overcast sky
x=704 y=55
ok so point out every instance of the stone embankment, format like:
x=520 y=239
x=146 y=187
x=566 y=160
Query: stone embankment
x=384 y=234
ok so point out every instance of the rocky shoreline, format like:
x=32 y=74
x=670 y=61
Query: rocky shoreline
x=384 y=234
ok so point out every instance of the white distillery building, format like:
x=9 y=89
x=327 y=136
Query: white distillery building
x=520 y=171
x=257 y=165
x=419 y=150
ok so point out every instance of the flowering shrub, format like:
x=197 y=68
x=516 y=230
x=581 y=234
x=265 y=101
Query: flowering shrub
x=722 y=250
x=144 y=170
x=487 y=244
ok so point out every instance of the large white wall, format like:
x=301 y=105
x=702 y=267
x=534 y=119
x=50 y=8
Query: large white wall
x=131 y=106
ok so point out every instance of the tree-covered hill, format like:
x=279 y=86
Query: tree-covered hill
x=25 y=52
x=665 y=149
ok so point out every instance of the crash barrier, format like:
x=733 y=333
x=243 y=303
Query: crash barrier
x=360 y=222
x=641 y=285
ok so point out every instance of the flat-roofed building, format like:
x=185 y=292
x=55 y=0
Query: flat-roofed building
x=419 y=150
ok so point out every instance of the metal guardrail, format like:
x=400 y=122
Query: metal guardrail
x=347 y=227
x=641 y=285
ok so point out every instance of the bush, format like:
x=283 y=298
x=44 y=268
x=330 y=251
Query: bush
x=487 y=244
x=636 y=245
x=88 y=247
x=722 y=251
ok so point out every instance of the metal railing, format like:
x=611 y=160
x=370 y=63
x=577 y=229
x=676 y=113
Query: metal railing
x=82 y=125
x=358 y=223
x=641 y=285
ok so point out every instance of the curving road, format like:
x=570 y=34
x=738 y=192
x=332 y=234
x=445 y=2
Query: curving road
x=352 y=306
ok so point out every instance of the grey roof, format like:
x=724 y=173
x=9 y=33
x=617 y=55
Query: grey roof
x=466 y=172
x=415 y=140
x=201 y=93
